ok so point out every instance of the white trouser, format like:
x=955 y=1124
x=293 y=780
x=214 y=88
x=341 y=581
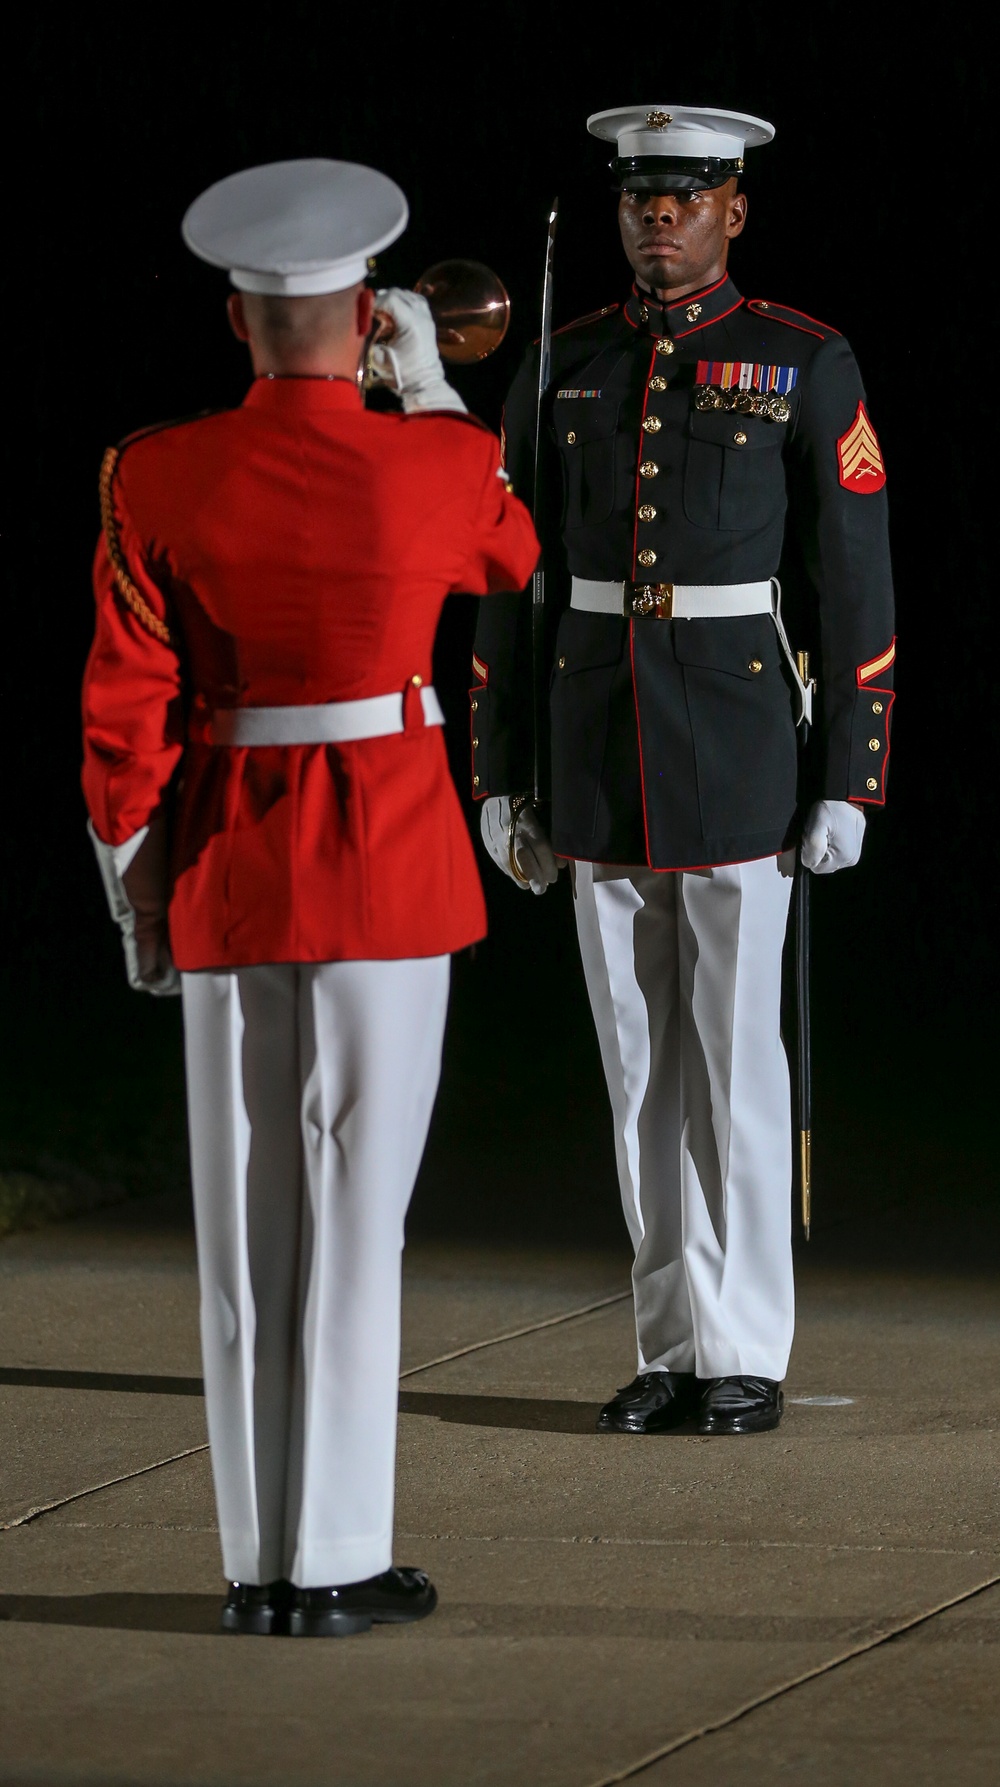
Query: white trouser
x=310 y=1091
x=684 y=976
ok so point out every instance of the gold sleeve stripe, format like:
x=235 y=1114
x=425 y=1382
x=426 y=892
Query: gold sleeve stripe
x=875 y=666
x=132 y=597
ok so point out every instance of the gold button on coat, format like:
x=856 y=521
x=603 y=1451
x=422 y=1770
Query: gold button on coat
x=874 y=744
x=562 y=663
x=647 y=512
x=571 y=437
x=647 y=557
x=876 y=707
x=871 y=784
x=475 y=781
x=665 y=345
x=658 y=383
x=649 y=468
x=475 y=743
x=417 y=681
x=740 y=438
x=755 y=665
x=652 y=424
x=475 y=707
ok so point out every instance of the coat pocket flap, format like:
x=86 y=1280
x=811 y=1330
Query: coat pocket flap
x=741 y=645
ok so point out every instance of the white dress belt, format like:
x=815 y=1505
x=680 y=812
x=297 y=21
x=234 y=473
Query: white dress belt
x=331 y=723
x=678 y=601
x=694 y=601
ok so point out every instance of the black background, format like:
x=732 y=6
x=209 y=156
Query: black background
x=870 y=210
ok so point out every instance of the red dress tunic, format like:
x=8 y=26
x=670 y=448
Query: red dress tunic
x=299 y=549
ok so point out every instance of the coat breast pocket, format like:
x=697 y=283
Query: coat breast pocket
x=585 y=429
x=734 y=474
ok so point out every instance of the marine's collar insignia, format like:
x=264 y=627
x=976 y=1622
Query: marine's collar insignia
x=645 y=311
x=859 y=456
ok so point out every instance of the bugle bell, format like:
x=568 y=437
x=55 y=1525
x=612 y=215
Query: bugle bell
x=470 y=307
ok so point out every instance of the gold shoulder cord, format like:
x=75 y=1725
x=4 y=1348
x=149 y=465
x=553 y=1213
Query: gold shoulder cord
x=123 y=582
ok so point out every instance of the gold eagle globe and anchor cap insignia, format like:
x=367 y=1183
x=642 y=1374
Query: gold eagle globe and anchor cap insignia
x=670 y=148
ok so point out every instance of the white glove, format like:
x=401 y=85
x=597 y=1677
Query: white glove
x=532 y=849
x=834 y=833
x=410 y=364
x=140 y=913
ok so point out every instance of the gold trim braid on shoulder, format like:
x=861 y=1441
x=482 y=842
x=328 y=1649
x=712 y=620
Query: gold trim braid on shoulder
x=123 y=582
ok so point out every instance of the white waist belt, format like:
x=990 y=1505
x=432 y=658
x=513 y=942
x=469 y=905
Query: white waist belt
x=694 y=601
x=672 y=601
x=332 y=723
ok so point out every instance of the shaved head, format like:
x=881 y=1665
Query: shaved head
x=322 y=333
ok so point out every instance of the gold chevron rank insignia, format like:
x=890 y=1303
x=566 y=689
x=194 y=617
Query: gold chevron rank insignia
x=859 y=456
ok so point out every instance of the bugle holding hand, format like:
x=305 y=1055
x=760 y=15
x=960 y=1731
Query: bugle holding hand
x=470 y=310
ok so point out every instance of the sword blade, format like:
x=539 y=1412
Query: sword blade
x=538 y=580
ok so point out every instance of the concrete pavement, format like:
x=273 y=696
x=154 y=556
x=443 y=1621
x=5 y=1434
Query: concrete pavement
x=820 y=1604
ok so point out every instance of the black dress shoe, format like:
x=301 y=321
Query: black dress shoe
x=741 y=1405
x=394 y=1598
x=652 y=1403
x=261 y=1608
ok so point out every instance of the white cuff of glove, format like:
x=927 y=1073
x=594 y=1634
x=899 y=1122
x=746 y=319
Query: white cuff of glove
x=411 y=364
x=113 y=860
x=833 y=836
x=534 y=854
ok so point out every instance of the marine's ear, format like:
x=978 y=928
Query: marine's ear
x=364 y=310
x=237 y=317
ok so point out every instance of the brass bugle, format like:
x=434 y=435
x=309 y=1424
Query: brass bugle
x=470 y=307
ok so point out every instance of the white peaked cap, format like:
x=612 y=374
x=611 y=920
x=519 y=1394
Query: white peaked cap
x=687 y=130
x=292 y=228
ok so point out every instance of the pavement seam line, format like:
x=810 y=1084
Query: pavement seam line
x=858 y=1650
x=7 y=1526
x=551 y=1321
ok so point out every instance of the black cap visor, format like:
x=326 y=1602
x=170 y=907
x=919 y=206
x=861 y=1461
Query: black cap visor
x=671 y=173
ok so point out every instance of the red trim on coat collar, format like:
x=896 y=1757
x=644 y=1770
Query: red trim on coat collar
x=713 y=302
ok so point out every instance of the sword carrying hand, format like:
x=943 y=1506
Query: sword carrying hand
x=509 y=834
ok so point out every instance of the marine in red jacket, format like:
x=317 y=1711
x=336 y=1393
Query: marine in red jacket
x=269 y=795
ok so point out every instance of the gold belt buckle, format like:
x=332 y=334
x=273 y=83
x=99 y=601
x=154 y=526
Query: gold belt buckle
x=654 y=598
